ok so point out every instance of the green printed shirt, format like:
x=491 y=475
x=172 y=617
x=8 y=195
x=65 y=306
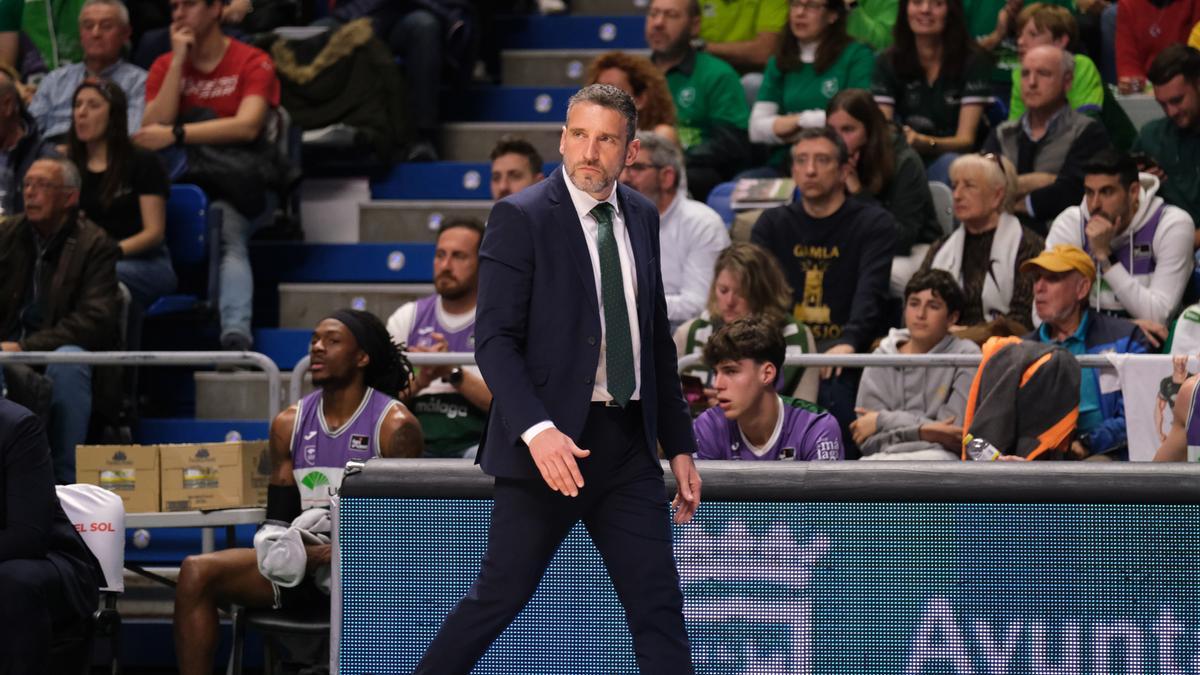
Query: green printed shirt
x=707 y=92
x=932 y=108
x=1176 y=151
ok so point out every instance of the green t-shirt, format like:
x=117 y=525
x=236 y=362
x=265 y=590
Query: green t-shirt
x=741 y=20
x=52 y=26
x=1176 y=152
x=932 y=108
x=1086 y=88
x=707 y=92
x=806 y=89
x=871 y=22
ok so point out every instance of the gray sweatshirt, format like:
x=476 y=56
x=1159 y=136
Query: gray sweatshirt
x=906 y=398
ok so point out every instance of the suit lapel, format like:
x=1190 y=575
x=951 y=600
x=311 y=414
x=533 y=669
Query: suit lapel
x=572 y=232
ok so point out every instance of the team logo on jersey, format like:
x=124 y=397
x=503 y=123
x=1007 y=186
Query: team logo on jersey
x=310 y=454
x=360 y=442
x=829 y=88
x=314 y=479
x=687 y=96
x=309 y=435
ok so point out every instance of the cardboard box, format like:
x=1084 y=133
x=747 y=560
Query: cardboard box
x=128 y=470
x=214 y=475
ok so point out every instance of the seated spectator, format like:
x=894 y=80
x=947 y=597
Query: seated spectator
x=47 y=25
x=872 y=22
x=104 y=31
x=516 y=165
x=836 y=252
x=884 y=168
x=1141 y=245
x=816 y=59
x=450 y=402
x=636 y=75
x=690 y=234
x=986 y=251
x=1182 y=444
x=752 y=421
x=934 y=81
x=916 y=413
x=353 y=415
x=232 y=86
x=125 y=191
x=1144 y=29
x=710 y=105
x=62 y=269
x=49 y=578
x=20 y=142
x=1171 y=144
x=1040 y=25
x=1050 y=142
x=747 y=281
x=744 y=34
x=1064 y=281
x=417 y=33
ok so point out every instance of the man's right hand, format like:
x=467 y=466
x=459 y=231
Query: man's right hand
x=555 y=453
x=182 y=40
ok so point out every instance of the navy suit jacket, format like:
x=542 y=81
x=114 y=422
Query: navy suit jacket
x=537 y=326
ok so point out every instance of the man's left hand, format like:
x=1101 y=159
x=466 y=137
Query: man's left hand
x=10 y=347
x=687 y=495
x=154 y=137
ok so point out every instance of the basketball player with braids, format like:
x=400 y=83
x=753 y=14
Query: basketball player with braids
x=354 y=415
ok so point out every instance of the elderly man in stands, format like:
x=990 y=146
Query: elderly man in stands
x=1063 y=283
x=710 y=104
x=211 y=90
x=59 y=285
x=516 y=165
x=1142 y=246
x=103 y=32
x=1049 y=143
x=1172 y=143
x=690 y=234
x=450 y=402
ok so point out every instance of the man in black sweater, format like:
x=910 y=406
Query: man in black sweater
x=49 y=580
x=837 y=254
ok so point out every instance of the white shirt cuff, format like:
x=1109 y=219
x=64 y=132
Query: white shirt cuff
x=1029 y=206
x=536 y=429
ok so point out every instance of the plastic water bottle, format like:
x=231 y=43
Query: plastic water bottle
x=980 y=450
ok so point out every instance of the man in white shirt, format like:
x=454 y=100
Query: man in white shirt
x=690 y=233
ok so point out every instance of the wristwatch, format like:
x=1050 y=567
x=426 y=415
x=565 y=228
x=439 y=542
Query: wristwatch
x=454 y=378
x=178 y=131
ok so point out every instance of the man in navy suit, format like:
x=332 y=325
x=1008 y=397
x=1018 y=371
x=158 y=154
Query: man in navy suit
x=573 y=340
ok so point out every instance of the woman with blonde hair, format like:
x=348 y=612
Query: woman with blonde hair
x=748 y=281
x=638 y=77
x=984 y=253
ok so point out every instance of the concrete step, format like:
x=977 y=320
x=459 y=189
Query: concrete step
x=473 y=141
x=609 y=7
x=413 y=221
x=301 y=306
x=238 y=395
x=550 y=67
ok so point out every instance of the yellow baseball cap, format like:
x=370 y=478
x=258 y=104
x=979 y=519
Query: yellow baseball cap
x=1062 y=258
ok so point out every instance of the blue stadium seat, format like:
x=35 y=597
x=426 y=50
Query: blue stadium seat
x=719 y=201
x=439 y=180
x=571 y=32
x=284 y=346
x=185 y=430
x=294 y=262
x=509 y=104
x=194 y=239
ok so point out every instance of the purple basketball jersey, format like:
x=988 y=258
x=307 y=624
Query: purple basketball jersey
x=426 y=323
x=319 y=455
x=806 y=433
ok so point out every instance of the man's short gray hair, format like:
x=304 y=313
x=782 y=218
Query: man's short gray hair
x=1068 y=63
x=70 y=173
x=663 y=153
x=122 y=10
x=608 y=96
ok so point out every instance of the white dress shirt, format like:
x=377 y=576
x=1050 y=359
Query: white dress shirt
x=584 y=203
x=690 y=236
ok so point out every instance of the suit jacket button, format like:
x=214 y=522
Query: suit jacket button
x=587 y=380
x=591 y=340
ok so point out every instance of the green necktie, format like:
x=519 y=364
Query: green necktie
x=618 y=345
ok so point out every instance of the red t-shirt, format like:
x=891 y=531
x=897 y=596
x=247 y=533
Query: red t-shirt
x=244 y=71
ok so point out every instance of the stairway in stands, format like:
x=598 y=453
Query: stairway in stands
x=297 y=283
